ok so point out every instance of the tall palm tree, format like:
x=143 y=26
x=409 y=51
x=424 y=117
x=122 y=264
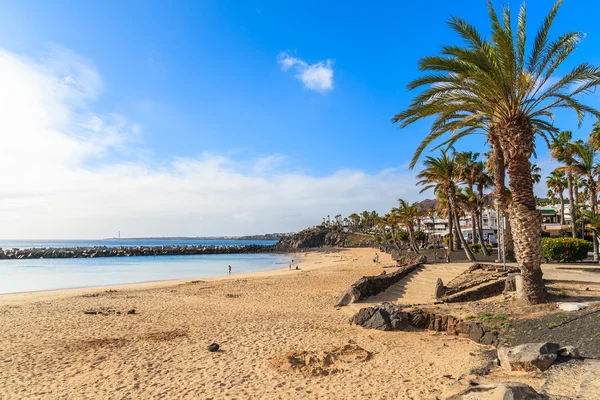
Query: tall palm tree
x=442 y=174
x=557 y=183
x=551 y=197
x=562 y=150
x=493 y=81
x=408 y=214
x=586 y=164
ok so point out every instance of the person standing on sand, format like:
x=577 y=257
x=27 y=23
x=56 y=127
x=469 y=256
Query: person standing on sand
x=229 y=270
x=291 y=264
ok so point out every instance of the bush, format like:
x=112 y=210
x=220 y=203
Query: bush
x=420 y=235
x=476 y=247
x=564 y=250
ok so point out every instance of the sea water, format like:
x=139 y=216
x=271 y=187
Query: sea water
x=51 y=274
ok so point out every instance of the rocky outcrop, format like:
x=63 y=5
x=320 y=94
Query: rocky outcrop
x=322 y=236
x=372 y=285
x=390 y=317
x=497 y=391
x=129 y=251
x=529 y=356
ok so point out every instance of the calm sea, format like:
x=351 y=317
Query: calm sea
x=51 y=274
x=28 y=244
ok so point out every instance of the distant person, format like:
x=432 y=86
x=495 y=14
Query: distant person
x=229 y=270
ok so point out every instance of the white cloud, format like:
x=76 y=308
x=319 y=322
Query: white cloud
x=68 y=172
x=317 y=77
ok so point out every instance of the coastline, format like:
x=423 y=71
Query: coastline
x=161 y=350
x=44 y=295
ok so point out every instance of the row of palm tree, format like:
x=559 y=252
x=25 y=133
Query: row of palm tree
x=506 y=90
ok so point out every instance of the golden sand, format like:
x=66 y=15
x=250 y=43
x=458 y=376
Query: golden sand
x=50 y=349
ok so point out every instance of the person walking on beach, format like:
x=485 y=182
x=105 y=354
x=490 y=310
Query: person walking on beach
x=229 y=270
x=291 y=264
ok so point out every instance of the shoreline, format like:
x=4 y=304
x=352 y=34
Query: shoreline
x=41 y=295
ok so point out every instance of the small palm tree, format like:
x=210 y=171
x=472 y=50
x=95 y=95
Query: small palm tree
x=494 y=83
x=408 y=214
x=442 y=174
x=562 y=150
x=557 y=183
x=536 y=172
x=586 y=165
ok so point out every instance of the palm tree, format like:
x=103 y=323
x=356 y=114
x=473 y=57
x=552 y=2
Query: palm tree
x=408 y=214
x=557 y=182
x=494 y=83
x=562 y=151
x=594 y=138
x=392 y=219
x=550 y=197
x=497 y=167
x=442 y=174
x=355 y=218
x=536 y=172
x=585 y=164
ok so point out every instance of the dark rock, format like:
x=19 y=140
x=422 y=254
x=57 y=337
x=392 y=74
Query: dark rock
x=380 y=321
x=419 y=319
x=499 y=391
x=132 y=311
x=437 y=323
x=490 y=338
x=440 y=290
x=528 y=357
x=348 y=296
x=363 y=315
x=400 y=320
x=213 y=347
x=476 y=332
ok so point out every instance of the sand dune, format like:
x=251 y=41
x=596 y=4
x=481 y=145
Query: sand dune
x=50 y=349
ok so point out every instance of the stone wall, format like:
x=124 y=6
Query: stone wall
x=389 y=317
x=372 y=285
x=488 y=289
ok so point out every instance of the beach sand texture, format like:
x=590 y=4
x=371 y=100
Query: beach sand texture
x=50 y=349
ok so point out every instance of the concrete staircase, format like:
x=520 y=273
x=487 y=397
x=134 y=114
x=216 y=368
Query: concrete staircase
x=418 y=287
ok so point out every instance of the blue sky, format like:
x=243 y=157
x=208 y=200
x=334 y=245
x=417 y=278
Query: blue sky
x=203 y=81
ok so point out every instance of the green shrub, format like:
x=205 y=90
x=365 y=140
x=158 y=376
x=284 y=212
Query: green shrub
x=476 y=247
x=564 y=250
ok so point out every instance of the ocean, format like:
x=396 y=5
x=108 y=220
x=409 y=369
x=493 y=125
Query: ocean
x=52 y=274
x=28 y=244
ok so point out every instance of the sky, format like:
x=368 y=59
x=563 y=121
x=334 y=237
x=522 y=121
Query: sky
x=221 y=117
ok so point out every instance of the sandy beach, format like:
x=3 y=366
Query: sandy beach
x=51 y=349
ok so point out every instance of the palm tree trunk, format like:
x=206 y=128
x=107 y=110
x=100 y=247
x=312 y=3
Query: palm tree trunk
x=484 y=249
x=593 y=201
x=479 y=211
x=562 y=209
x=394 y=239
x=572 y=204
x=525 y=219
x=413 y=242
x=502 y=200
x=461 y=238
x=450 y=232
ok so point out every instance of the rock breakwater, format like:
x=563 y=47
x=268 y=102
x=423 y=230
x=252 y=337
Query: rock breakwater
x=131 y=251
